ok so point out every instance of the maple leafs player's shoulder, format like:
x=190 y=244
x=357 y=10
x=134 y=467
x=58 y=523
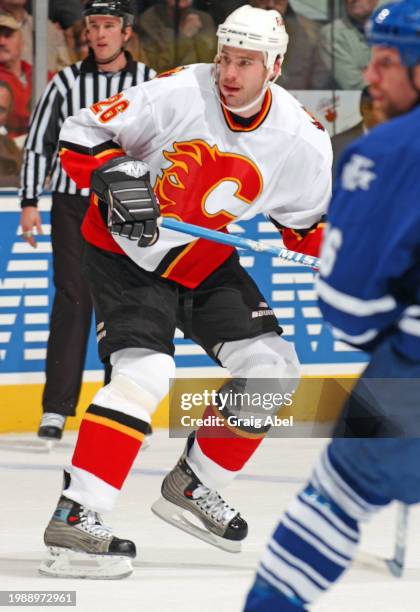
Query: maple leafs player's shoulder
x=377 y=182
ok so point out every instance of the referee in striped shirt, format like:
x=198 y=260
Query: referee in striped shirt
x=107 y=70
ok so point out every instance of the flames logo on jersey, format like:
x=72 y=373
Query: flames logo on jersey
x=314 y=120
x=170 y=72
x=204 y=186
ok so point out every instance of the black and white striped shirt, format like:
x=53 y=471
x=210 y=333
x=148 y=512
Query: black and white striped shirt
x=75 y=87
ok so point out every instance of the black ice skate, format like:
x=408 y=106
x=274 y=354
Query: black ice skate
x=51 y=428
x=183 y=493
x=81 y=546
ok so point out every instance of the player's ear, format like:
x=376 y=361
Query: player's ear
x=276 y=72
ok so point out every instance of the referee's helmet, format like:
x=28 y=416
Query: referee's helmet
x=118 y=8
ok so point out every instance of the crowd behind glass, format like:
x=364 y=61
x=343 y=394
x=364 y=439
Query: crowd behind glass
x=327 y=49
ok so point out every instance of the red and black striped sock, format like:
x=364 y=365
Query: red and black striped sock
x=229 y=447
x=108 y=443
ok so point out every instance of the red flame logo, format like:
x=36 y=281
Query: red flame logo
x=196 y=170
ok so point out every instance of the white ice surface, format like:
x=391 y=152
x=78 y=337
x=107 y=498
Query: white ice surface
x=173 y=571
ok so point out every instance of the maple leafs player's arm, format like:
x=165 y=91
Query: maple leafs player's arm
x=124 y=185
x=307 y=241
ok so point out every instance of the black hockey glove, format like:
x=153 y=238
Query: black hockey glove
x=124 y=184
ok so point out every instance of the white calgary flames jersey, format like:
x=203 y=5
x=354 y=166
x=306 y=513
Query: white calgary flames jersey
x=206 y=168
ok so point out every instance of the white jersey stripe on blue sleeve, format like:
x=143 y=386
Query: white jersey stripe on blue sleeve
x=353 y=305
x=412 y=311
x=410 y=321
x=367 y=336
x=410 y=326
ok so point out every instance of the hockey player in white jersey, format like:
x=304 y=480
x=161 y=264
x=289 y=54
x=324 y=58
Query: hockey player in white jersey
x=215 y=143
x=369 y=290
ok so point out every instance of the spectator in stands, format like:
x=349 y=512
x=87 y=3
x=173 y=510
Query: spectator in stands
x=58 y=54
x=16 y=73
x=312 y=15
x=303 y=67
x=68 y=15
x=142 y=5
x=278 y=5
x=175 y=34
x=371 y=116
x=219 y=9
x=81 y=48
x=10 y=154
x=65 y=12
x=343 y=44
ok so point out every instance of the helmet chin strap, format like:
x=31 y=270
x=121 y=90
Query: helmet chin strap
x=241 y=109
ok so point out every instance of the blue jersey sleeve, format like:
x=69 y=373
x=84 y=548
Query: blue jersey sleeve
x=370 y=263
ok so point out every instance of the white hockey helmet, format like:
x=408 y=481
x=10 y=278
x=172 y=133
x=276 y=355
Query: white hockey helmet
x=255 y=29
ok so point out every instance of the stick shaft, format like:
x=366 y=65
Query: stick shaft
x=239 y=242
x=396 y=565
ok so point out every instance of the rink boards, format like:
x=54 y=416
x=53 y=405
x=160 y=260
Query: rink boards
x=26 y=294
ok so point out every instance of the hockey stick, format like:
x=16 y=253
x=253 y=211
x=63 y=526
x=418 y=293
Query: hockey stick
x=237 y=241
x=395 y=565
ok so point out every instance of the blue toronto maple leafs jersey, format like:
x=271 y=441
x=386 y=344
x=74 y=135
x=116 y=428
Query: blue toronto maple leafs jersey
x=369 y=284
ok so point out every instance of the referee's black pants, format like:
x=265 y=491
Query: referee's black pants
x=72 y=308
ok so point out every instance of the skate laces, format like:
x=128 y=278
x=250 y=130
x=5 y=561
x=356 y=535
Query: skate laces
x=212 y=503
x=91 y=522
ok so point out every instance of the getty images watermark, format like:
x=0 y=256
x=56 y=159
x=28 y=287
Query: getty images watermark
x=257 y=410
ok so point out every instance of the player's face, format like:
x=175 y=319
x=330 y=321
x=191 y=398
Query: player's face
x=389 y=83
x=241 y=75
x=105 y=35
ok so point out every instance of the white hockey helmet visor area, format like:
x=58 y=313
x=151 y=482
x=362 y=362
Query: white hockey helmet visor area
x=256 y=30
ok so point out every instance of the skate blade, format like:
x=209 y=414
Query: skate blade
x=65 y=563
x=174 y=515
x=50 y=444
